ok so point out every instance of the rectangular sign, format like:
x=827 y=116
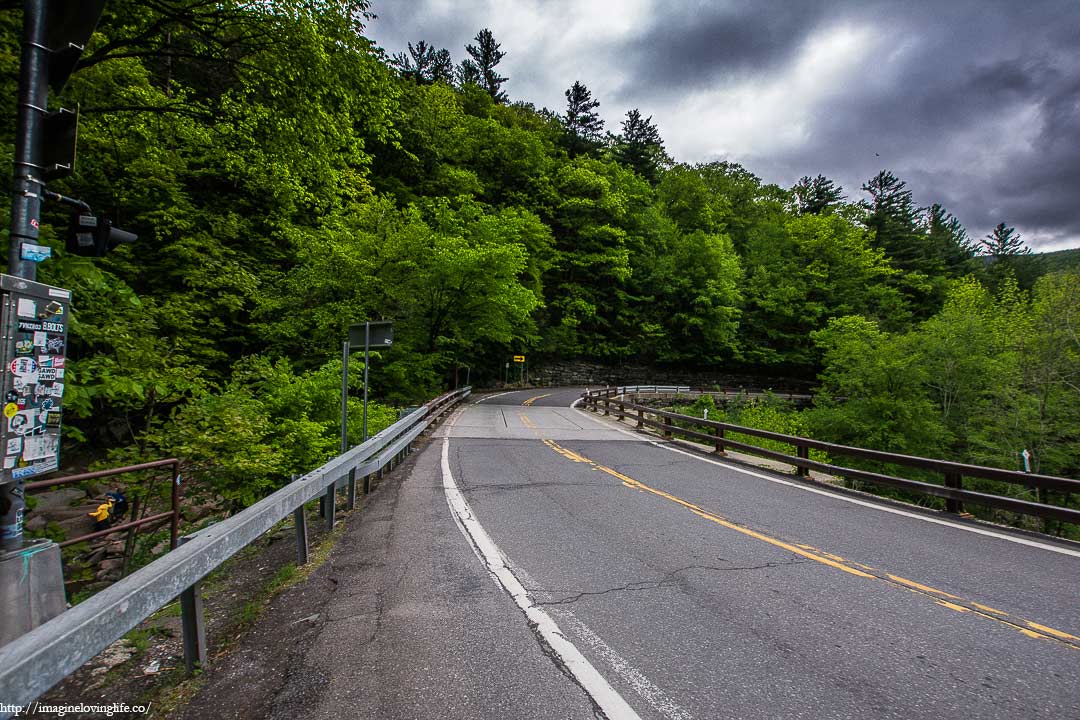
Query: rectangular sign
x=379 y=334
x=33 y=327
x=519 y=358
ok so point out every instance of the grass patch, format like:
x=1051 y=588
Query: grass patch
x=140 y=637
x=171 y=610
x=249 y=613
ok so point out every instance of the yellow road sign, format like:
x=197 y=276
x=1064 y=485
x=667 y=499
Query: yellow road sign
x=519 y=358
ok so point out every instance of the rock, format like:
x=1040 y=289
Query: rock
x=116 y=547
x=111 y=564
x=59 y=499
x=108 y=576
x=76 y=526
x=35 y=522
x=119 y=652
x=95 y=556
x=62 y=514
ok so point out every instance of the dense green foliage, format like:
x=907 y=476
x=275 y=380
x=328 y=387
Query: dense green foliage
x=287 y=179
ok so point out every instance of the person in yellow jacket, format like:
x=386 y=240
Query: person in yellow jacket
x=103 y=514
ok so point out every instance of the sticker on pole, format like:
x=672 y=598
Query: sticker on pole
x=23 y=366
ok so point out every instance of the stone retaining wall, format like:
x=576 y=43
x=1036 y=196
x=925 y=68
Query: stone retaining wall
x=587 y=373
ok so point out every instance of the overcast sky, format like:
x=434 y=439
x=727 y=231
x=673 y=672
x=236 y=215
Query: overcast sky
x=974 y=103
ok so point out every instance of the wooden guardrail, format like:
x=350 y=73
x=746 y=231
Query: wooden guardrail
x=953 y=492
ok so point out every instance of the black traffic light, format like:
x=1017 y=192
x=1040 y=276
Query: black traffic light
x=95 y=236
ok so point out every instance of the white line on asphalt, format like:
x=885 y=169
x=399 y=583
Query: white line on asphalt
x=845 y=498
x=630 y=674
x=611 y=703
x=488 y=397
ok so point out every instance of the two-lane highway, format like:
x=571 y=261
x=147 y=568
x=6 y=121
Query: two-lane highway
x=684 y=587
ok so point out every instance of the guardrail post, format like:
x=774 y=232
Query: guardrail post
x=718 y=444
x=300 y=523
x=330 y=502
x=367 y=483
x=953 y=480
x=640 y=418
x=193 y=625
x=803 y=452
x=607 y=405
x=666 y=432
x=351 y=501
x=622 y=411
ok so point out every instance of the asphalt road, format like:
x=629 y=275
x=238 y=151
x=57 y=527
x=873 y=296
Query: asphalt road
x=540 y=562
x=699 y=590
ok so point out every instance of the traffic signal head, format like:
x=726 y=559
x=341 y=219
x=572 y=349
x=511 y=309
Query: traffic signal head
x=95 y=236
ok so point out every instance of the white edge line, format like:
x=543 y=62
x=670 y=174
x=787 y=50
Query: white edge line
x=839 y=496
x=606 y=697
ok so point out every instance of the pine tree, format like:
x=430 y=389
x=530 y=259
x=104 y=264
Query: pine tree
x=1009 y=257
x=467 y=73
x=639 y=146
x=424 y=63
x=814 y=196
x=583 y=125
x=1002 y=242
x=949 y=240
x=485 y=56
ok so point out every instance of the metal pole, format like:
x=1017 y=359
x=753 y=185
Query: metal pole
x=367 y=340
x=345 y=397
x=26 y=208
x=468 y=374
x=29 y=125
x=174 y=522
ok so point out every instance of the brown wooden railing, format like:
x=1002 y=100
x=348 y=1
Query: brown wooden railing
x=715 y=433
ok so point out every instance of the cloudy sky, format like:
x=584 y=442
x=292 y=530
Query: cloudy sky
x=974 y=103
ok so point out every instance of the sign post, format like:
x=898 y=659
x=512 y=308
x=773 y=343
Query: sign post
x=520 y=361
x=380 y=334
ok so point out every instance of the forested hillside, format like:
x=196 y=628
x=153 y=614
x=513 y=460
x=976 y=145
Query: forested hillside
x=287 y=179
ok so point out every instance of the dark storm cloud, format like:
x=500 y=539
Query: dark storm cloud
x=975 y=103
x=735 y=38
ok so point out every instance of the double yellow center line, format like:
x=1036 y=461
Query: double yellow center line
x=953 y=602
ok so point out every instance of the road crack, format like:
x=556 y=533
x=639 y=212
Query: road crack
x=671 y=579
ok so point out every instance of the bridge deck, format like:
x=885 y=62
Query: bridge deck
x=687 y=589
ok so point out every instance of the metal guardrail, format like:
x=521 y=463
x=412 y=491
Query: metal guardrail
x=952 y=491
x=33 y=663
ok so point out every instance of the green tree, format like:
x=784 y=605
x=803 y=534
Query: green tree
x=639 y=146
x=425 y=64
x=813 y=196
x=949 y=241
x=872 y=391
x=893 y=220
x=583 y=124
x=485 y=56
x=802 y=272
x=1008 y=256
